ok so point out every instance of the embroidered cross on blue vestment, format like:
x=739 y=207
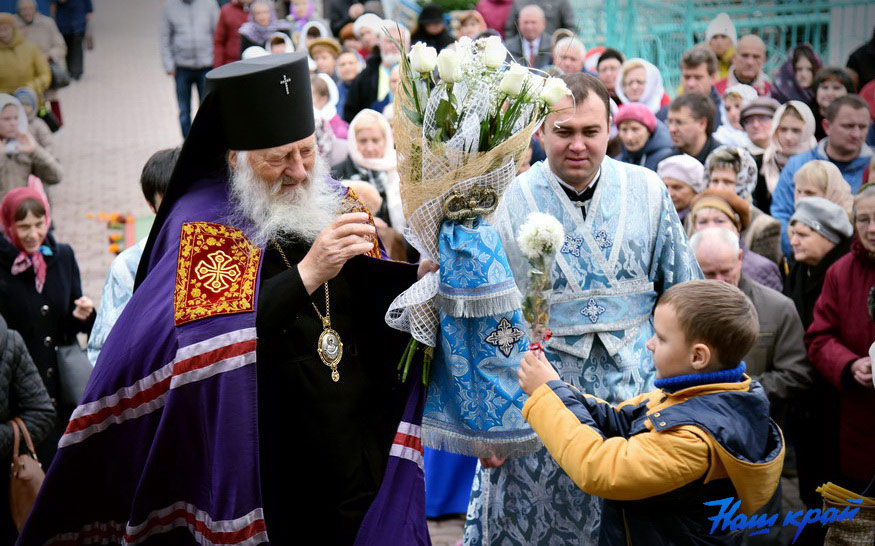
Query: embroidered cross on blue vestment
x=504 y=337
x=592 y=311
x=603 y=239
x=572 y=246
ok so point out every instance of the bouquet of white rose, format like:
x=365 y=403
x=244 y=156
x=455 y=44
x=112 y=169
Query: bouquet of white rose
x=459 y=140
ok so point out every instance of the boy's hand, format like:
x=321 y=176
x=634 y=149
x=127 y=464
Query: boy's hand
x=535 y=371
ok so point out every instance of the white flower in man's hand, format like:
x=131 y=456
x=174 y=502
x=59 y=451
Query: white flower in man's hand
x=554 y=90
x=514 y=79
x=494 y=53
x=422 y=58
x=449 y=67
x=541 y=235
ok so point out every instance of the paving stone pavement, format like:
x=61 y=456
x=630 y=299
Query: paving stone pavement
x=120 y=112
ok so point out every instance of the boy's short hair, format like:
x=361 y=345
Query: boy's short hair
x=156 y=174
x=717 y=314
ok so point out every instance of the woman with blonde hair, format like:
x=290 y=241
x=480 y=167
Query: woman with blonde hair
x=819 y=178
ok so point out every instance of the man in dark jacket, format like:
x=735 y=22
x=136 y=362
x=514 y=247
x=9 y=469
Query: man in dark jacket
x=370 y=89
x=72 y=18
x=862 y=61
x=690 y=123
x=777 y=359
x=557 y=14
x=698 y=74
x=342 y=12
x=532 y=47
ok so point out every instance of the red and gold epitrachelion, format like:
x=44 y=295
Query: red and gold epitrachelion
x=216 y=273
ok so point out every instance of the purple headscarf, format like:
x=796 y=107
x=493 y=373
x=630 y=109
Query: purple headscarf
x=260 y=34
x=786 y=87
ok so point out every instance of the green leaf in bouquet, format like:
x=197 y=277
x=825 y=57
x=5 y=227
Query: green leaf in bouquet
x=412 y=115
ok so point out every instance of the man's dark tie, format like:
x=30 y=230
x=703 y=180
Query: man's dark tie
x=580 y=200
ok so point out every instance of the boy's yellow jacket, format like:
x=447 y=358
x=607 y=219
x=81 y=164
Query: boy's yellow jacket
x=684 y=447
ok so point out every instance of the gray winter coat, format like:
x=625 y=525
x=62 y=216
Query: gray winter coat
x=22 y=393
x=187 y=33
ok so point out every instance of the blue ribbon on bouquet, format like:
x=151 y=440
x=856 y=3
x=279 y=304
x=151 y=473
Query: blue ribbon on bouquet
x=474 y=400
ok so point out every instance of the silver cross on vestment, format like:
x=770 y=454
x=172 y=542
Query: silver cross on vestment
x=285 y=81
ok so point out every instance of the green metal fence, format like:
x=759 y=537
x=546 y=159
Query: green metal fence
x=660 y=31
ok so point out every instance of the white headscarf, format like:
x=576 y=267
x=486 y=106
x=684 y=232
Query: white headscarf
x=653 y=88
x=745 y=178
x=387 y=164
x=775 y=156
x=328 y=111
x=302 y=36
x=290 y=48
x=5 y=100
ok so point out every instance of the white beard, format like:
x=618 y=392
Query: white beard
x=284 y=214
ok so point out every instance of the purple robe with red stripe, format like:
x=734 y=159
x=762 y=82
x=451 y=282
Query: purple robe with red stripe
x=164 y=447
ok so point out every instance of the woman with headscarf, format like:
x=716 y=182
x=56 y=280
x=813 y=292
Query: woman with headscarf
x=431 y=28
x=313 y=30
x=640 y=81
x=819 y=178
x=795 y=78
x=299 y=13
x=22 y=62
x=41 y=294
x=731 y=132
x=38 y=128
x=683 y=177
x=471 y=24
x=20 y=154
x=261 y=25
x=734 y=169
x=724 y=209
x=792 y=133
x=372 y=159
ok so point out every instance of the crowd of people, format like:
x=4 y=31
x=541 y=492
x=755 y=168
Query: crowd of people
x=769 y=177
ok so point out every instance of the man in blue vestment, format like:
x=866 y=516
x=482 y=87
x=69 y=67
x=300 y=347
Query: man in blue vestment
x=624 y=246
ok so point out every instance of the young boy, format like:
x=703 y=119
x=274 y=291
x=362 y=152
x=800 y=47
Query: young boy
x=703 y=435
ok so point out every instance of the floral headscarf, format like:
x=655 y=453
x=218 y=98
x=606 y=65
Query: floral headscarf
x=258 y=34
x=24 y=260
x=746 y=177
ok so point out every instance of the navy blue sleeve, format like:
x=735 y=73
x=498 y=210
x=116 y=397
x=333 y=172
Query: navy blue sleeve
x=603 y=417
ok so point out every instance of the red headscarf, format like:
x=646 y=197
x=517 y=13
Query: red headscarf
x=23 y=261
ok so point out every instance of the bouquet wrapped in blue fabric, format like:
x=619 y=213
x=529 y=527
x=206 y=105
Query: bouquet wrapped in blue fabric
x=459 y=140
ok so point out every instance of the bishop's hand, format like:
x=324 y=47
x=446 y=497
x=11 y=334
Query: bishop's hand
x=348 y=236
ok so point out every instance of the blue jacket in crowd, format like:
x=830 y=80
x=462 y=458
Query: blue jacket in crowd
x=783 y=204
x=657 y=148
x=70 y=15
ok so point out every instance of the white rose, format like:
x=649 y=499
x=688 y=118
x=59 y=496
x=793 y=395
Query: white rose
x=494 y=53
x=554 y=90
x=513 y=80
x=422 y=58
x=448 y=65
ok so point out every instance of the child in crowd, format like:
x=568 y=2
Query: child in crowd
x=703 y=435
x=730 y=131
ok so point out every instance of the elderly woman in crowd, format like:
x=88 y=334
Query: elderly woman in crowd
x=735 y=99
x=262 y=24
x=684 y=178
x=734 y=169
x=645 y=140
x=839 y=339
x=21 y=61
x=830 y=83
x=640 y=81
x=41 y=294
x=792 y=133
x=819 y=178
x=724 y=209
x=38 y=128
x=795 y=78
x=20 y=154
x=372 y=159
x=324 y=52
x=820 y=235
